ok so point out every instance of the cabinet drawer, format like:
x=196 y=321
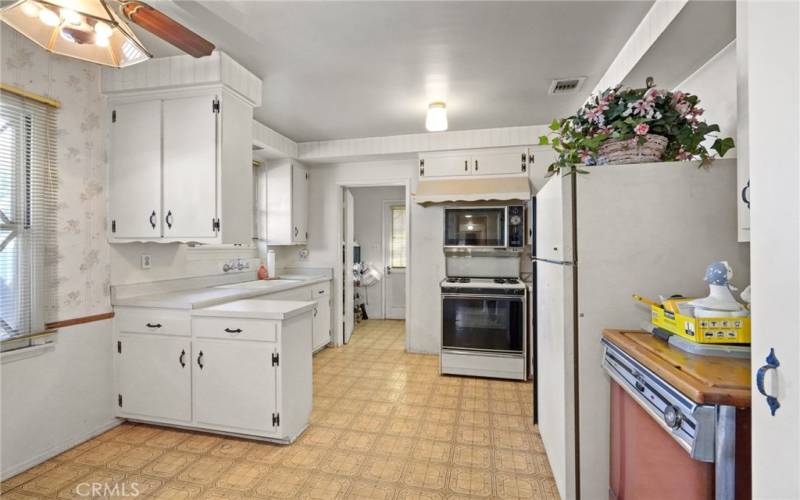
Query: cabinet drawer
x=320 y=290
x=149 y=320
x=235 y=328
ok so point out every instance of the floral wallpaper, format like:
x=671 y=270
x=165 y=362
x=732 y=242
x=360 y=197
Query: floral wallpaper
x=83 y=251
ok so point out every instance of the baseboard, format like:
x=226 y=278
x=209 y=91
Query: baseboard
x=57 y=450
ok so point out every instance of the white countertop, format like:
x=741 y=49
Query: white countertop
x=257 y=309
x=210 y=296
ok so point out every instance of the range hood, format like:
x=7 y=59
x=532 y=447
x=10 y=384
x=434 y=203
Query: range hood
x=500 y=188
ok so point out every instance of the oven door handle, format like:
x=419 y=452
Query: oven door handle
x=518 y=298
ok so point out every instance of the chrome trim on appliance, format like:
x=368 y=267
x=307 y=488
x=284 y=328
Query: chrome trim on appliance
x=694 y=430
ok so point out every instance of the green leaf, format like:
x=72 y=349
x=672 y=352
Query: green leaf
x=722 y=146
x=543 y=141
x=555 y=125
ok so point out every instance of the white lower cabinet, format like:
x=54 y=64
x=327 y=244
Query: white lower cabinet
x=154 y=377
x=226 y=374
x=322 y=323
x=234 y=385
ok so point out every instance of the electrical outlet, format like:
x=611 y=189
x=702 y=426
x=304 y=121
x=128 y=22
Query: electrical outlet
x=147 y=261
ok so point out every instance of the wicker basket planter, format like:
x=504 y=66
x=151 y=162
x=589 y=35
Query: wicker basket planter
x=622 y=151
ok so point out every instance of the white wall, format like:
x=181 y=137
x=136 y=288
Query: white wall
x=57 y=399
x=715 y=84
x=369 y=218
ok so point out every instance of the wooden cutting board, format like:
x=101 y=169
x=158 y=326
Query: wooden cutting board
x=703 y=379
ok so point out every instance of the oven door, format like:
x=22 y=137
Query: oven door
x=493 y=323
x=476 y=227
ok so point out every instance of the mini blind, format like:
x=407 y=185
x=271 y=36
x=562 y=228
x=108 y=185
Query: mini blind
x=28 y=197
x=398 y=248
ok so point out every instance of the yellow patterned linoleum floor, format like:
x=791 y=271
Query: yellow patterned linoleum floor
x=385 y=425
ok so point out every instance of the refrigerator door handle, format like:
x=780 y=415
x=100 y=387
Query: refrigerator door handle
x=551 y=261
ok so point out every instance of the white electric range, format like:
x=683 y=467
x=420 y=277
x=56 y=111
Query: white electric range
x=483 y=326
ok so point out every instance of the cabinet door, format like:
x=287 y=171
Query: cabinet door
x=499 y=161
x=135 y=171
x=322 y=323
x=190 y=167
x=234 y=384
x=444 y=164
x=154 y=377
x=299 y=203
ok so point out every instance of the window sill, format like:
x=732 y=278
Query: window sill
x=26 y=352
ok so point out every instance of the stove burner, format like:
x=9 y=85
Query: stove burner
x=506 y=281
x=458 y=280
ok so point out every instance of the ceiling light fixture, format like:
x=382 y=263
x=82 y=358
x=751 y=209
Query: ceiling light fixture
x=84 y=29
x=436 y=120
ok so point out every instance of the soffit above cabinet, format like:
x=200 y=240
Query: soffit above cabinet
x=184 y=71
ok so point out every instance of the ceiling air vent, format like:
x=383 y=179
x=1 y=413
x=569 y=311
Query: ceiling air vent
x=566 y=85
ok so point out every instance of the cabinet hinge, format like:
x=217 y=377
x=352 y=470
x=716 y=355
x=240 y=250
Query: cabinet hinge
x=276 y=419
x=422 y=167
x=215 y=106
x=113 y=226
x=275 y=359
x=524 y=162
x=119 y=346
x=119 y=400
x=114 y=116
x=215 y=224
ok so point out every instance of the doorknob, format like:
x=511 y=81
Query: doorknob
x=772 y=363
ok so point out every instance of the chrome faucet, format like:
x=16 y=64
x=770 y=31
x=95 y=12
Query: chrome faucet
x=235 y=265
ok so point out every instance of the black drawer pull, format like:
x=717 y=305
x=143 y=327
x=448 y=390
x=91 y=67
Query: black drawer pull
x=180 y=358
x=229 y=330
x=153 y=325
x=321 y=292
x=153 y=219
x=200 y=360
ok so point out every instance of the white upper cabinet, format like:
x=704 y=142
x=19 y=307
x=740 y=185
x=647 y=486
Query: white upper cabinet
x=287 y=202
x=181 y=168
x=479 y=162
x=190 y=167
x=135 y=175
x=448 y=164
x=500 y=161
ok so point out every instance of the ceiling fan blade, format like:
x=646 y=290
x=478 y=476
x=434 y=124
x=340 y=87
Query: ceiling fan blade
x=166 y=28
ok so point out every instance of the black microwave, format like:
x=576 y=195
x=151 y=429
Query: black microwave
x=483 y=227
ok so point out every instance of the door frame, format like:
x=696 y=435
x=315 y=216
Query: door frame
x=338 y=337
x=385 y=251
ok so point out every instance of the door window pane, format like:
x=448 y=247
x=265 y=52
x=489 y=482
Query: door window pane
x=398 y=243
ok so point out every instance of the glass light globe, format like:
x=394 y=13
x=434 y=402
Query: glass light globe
x=49 y=17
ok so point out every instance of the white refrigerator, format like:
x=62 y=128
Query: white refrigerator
x=650 y=229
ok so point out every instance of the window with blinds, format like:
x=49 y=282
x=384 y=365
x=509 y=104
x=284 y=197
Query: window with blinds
x=397 y=256
x=28 y=189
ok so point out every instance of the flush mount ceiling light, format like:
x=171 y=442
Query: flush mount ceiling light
x=436 y=121
x=93 y=31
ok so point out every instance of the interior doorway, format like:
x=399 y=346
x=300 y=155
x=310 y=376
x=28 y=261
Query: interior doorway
x=375 y=236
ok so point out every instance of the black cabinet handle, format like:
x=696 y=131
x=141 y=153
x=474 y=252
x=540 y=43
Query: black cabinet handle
x=180 y=358
x=153 y=219
x=229 y=330
x=476 y=165
x=295 y=231
x=465 y=165
x=200 y=360
x=746 y=194
x=315 y=312
x=169 y=219
x=153 y=325
x=321 y=292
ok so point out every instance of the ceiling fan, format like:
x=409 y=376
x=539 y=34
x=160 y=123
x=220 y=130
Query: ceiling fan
x=97 y=30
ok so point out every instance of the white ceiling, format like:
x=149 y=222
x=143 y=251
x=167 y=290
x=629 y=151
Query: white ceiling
x=334 y=70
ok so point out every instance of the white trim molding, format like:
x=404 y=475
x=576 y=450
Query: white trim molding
x=184 y=71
